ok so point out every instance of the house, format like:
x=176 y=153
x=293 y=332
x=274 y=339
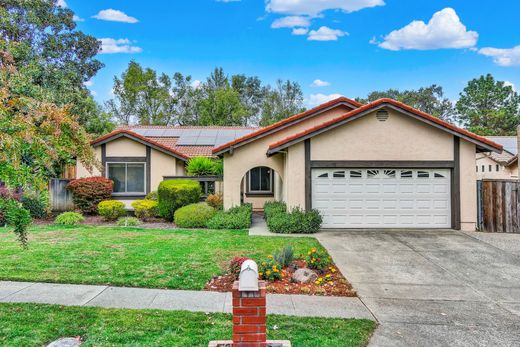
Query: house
x=379 y=165
x=499 y=165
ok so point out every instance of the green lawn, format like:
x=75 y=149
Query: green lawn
x=38 y=325
x=136 y=257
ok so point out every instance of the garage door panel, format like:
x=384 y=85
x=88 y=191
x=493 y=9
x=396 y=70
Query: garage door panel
x=378 y=198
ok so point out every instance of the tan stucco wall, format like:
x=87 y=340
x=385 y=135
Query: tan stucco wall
x=398 y=138
x=468 y=190
x=510 y=172
x=124 y=147
x=82 y=172
x=295 y=171
x=253 y=154
x=161 y=165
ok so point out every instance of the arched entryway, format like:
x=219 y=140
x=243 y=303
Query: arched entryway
x=261 y=184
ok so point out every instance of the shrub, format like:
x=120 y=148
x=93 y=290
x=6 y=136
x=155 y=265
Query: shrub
x=128 y=222
x=215 y=201
x=111 y=209
x=270 y=270
x=274 y=207
x=152 y=196
x=6 y=197
x=145 y=209
x=234 y=218
x=204 y=166
x=69 y=218
x=318 y=259
x=194 y=215
x=285 y=256
x=36 y=204
x=297 y=221
x=235 y=265
x=19 y=218
x=87 y=193
x=174 y=194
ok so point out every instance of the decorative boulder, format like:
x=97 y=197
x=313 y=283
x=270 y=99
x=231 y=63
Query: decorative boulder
x=66 y=342
x=304 y=275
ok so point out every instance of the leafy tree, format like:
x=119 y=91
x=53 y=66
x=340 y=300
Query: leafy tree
x=222 y=107
x=252 y=94
x=489 y=107
x=281 y=102
x=427 y=99
x=46 y=47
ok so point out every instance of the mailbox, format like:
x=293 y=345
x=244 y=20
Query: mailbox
x=248 y=280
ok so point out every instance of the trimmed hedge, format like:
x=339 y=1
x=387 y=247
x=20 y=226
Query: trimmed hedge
x=234 y=218
x=145 y=209
x=128 y=222
x=69 y=218
x=174 y=194
x=88 y=192
x=194 y=215
x=296 y=221
x=111 y=209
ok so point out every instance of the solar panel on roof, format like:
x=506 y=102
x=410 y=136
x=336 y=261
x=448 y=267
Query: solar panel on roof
x=206 y=141
x=155 y=132
x=187 y=140
x=209 y=132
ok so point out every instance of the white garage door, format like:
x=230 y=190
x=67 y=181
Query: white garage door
x=382 y=198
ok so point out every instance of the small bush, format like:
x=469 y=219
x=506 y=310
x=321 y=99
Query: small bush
x=152 y=196
x=235 y=265
x=111 y=209
x=284 y=256
x=7 y=196
x=174 y=194
x=204 y=166
x=194 y=215
x=145 y=209
x=128 y=222
x=19 y=218
x=69 y=218
x=318 y=259
x=87 y=193
x=270 y=269
x=297 y=221
x=274 y=207
x=36 y=204
x=234 y=218
x=215 y=201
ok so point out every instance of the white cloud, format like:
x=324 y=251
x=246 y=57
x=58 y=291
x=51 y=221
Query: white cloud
x=77 y=18
x=444 y=30
x=318 y=99
x=325 y=34
x=88 y=83
x=300 y=31
x=115 y=16
x=196 y=84
x=315 y=7
x=320 y=83
x=510 y=84
x=503 y=56
x=291 y=22
x=93 y=92
x=110 y=46
x=61 y=3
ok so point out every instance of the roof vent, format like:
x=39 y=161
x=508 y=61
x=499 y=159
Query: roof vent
x=382 y=115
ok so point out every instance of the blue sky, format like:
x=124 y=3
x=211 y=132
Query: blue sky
x=351 y=46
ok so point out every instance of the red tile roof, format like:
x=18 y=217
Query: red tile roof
x=142 y=138
x=285 y=121
x=375 y=104
x=189 y=151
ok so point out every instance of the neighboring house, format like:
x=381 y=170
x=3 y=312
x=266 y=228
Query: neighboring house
x=380 y=165
x=499 y=165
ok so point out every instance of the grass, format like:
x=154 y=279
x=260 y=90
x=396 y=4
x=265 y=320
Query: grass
x=134 y=257
x=38 y=325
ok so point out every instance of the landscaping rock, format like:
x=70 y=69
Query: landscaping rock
x=304 y=275
x=66 y=342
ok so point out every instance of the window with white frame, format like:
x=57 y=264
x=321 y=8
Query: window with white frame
x=260 y=180
x=129 y=178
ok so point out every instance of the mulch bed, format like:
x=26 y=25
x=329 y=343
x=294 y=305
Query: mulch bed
x=339 y=286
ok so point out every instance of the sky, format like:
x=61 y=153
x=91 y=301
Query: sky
x=330 y=47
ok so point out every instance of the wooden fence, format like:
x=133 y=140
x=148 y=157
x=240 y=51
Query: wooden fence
x=61 y=198
x=498 y=207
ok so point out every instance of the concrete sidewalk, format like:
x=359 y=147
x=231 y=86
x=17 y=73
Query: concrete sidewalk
x=162 y=299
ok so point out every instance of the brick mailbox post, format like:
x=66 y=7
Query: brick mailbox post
x=249 y=312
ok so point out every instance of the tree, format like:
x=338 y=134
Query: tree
x=46 y=47
x=252 y=94
x=222 y=107
x=489 y=107
x=281 y=102
x=35 y=135
x=427 y=99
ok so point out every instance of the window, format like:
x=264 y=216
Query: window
x=324 y=175
x=261 y=180
x=423 y=174
x=372 y=173
x=477 y=168
x=129 y=178
x=490 y=168
x=406 y=174
x=439 y=175
x=483 y=168
x=338 y=174
x=355 y=174
x=498 y=168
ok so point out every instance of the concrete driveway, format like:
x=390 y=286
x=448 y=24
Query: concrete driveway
x=433 y=288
